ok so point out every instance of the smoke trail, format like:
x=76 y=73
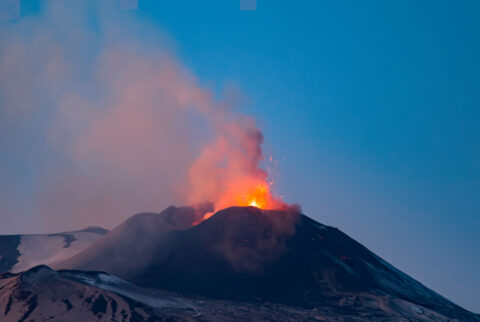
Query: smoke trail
x=228 y=170
x=102 y=120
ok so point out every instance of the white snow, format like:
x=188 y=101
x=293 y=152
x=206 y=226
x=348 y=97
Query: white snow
x=110 y=279
x=129 y=290
x=45 y=249
x=416 y=309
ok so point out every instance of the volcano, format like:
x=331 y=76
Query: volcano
x=246 y=254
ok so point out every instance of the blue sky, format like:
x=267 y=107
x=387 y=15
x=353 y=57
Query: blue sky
x=372 y=109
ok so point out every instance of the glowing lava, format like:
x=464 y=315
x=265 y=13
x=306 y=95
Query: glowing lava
x=228 y=171
x=248 y=192
x=254 y=204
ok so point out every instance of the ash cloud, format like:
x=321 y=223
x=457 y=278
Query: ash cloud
x=99 y=120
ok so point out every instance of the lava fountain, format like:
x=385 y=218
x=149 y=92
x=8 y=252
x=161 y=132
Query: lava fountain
x=228 y=171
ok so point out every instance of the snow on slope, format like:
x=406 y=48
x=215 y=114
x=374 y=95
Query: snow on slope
x=43 y=294
x=304 y=269
x=21 y=252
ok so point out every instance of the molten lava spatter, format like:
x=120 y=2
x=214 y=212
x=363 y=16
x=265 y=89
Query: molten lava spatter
x=228 y=172
x=254 y=204
x=248 y=192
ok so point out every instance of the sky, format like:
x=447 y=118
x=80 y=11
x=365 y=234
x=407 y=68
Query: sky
x=371 y=109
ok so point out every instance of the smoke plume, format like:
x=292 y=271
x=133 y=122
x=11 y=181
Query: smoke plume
x=99 y=120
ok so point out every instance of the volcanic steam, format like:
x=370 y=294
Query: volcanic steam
x=228 y=170
x=116 y=122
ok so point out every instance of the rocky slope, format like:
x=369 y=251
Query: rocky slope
x=131 y=246
x=42 y=294
x=257 y=256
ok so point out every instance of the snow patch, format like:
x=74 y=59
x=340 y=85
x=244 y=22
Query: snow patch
x=45 y=249
x=416 y=309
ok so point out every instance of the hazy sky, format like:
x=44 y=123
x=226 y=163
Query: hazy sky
x=371 y=108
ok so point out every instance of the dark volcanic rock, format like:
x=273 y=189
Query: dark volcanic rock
x=41 y=294
x=130 y=247
x=8 y=252
x=248 y=254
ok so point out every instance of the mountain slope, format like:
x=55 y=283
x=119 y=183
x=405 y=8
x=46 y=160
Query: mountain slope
x=248 y=254
x=21 y=252
x=131 y=245
x=42 y=294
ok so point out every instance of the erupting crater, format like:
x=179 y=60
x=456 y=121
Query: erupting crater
x=249 y=192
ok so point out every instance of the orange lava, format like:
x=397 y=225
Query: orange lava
x=248 y=192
